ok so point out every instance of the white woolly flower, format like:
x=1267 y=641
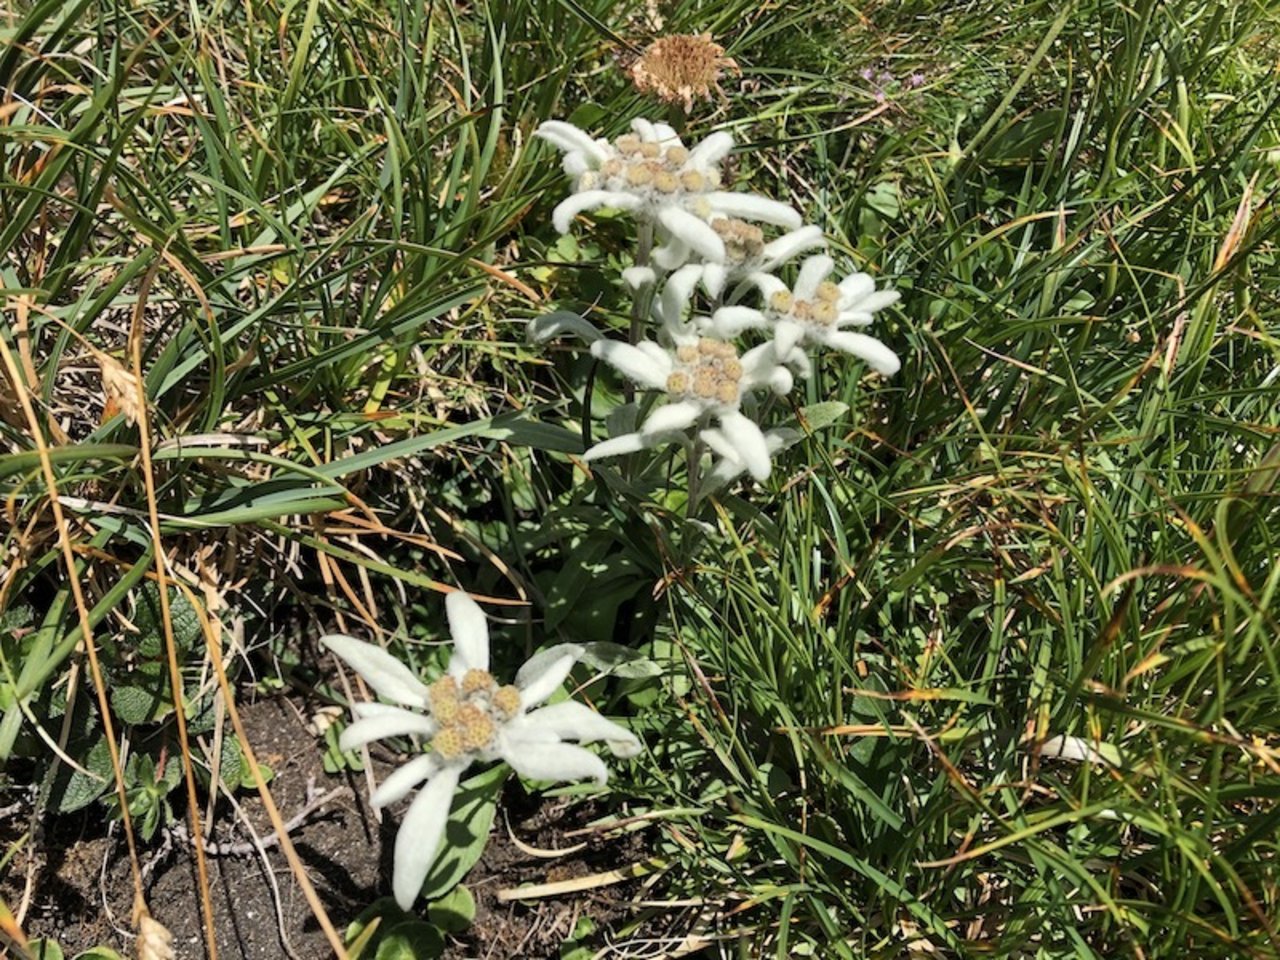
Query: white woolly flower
x=745 y=252
x=651 y=173
x=465 y=716
x=704 y=380
x=672 y=305
x=815 y=312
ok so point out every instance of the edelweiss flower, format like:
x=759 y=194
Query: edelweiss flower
x=670 y=307
x=466 y=716
x=651 y=173
x=745 y=252
x=815 y=310
x=704 y=379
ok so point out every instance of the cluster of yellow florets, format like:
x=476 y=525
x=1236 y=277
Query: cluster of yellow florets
x=743 y=242
x=469 y=712
x=710 y=370
x=821 y=311
x=640 y=165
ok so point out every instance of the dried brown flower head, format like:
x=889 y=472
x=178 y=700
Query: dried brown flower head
x=120 y=388
x=681 y=68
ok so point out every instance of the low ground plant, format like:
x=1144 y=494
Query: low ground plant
x=862 y=421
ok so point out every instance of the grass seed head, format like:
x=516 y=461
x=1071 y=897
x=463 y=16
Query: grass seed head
x=120 y=387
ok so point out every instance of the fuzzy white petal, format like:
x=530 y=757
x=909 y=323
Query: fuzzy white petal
x=541 y=683
x=1081 y=750
x=371 y=708
x=568 y=208
x=420 y=834
x=671 y=255
x=664 y=133
x=729 y=322
x=746 y=437
x=616 y=446
x=387 y=675
x=879 y=357
x=398 y=724
x=812 y=272
x=693 y=232
x=637 y=278
x=762 y=367
x=730 y=466
x=644 y=129
x=555 y=761
x=657 y=353
x=856 y=286
x=470 y=632
x=758 y=364
x=781 y=380
x=720 y=445
x=714 y=277
x=672 y=417
x=677 y=292
x=570 y=720
x=404 y=779
x=875 y=301
x=752 y=206
x=570 y=139
x=560 y=322
x=637 y=365
x=790 y=245
x=543 y=660
x=786 y=335
x=767 y=284
x=711 y=150
x=725 y=471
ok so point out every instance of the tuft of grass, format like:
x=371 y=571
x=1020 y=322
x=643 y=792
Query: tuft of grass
x=1057 y=522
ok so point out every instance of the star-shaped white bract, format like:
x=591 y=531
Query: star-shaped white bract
x=704 y=380
x=815 y=312
x=672 y=310
x=651 y=173
x=465 y=716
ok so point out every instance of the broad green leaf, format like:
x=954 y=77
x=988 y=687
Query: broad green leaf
x=411 y=940
x=617 y=660
x=70 y=790
x=454 y=911
x=45 y=950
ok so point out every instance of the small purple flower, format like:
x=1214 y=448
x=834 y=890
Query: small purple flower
x=915 y=80
x=867 y=73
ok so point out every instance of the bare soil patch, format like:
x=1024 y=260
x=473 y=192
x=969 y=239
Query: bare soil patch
x=74 y=874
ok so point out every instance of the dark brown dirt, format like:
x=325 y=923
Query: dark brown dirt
x=81 y=890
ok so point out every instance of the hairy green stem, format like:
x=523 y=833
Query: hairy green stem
x=696 y=448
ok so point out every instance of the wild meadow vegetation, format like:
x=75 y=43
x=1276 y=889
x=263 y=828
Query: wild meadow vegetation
x=988 y=666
